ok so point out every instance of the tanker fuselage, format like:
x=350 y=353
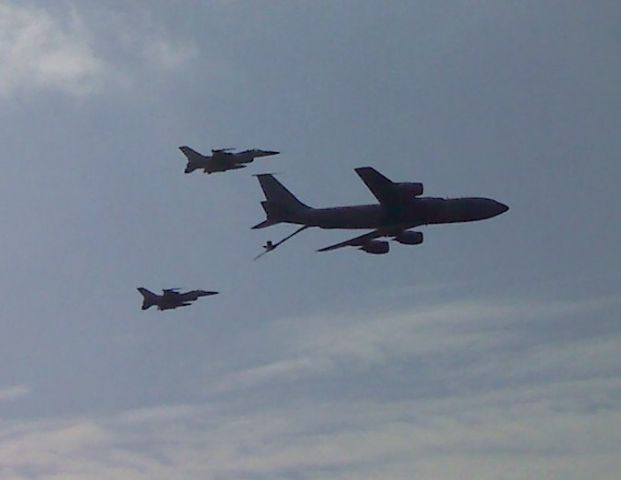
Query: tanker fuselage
x=417 y=211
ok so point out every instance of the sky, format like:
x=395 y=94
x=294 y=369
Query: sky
x=490 y=351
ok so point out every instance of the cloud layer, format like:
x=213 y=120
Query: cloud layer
x=505 y=404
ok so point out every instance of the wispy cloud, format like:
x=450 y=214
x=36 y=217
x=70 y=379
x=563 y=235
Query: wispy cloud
x=41 y=49
x=14 y=392
x=510 y=403
x=166 y=54
x=515 y=433
x=441 y=333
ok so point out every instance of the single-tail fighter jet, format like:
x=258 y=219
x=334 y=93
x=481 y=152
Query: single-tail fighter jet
x=170 y=298
x=221 y=159
x=400 y=209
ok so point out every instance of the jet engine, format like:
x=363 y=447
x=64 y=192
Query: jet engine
x=377 y=247
x=409 y=238
x=410 y=188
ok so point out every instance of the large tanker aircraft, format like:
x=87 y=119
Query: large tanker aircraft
x=401 y=208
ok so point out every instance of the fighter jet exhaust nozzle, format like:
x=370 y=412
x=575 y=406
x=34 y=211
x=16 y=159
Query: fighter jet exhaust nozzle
x=376 y=247
x=409 y=238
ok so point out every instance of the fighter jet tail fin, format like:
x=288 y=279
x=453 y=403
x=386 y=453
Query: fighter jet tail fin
x=148 y=298
x=194 y=159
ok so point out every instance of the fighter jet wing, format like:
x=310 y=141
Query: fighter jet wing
x=380 y=186
x=356 y=241
x=223 y=160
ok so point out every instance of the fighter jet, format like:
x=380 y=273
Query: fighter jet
x=221 y=159
x=171 y=298
x=401 y=208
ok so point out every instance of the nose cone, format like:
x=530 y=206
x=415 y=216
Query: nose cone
x=266 y=153
x=497 y=208
x=502 y=208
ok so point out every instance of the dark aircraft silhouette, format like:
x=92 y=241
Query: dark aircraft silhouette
x=170 y=298
x=221 y=159
x=400 y=208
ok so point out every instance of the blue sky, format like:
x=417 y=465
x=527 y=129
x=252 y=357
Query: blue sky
x=489 y=351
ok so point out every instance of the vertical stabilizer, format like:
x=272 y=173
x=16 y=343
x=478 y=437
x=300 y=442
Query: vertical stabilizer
x=276 y=193
x=278 y=201
x=148 y=298
x=195 y=159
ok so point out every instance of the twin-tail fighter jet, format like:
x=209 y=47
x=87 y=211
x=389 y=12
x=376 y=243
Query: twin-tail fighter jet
x=171 y=298
x=221 y=159
x=400 y=209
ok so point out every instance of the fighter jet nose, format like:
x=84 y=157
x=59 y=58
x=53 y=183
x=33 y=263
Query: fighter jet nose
x=257 y=152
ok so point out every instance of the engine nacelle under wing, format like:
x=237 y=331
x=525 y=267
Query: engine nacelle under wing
x=409 y=238
x=413 y=189
x=376 y=247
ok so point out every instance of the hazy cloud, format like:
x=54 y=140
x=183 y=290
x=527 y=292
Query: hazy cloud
x=14 y=392
x=512 y=433
x=510 y=404
x=440 y=332
x=167 y=55
x=40 y=49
